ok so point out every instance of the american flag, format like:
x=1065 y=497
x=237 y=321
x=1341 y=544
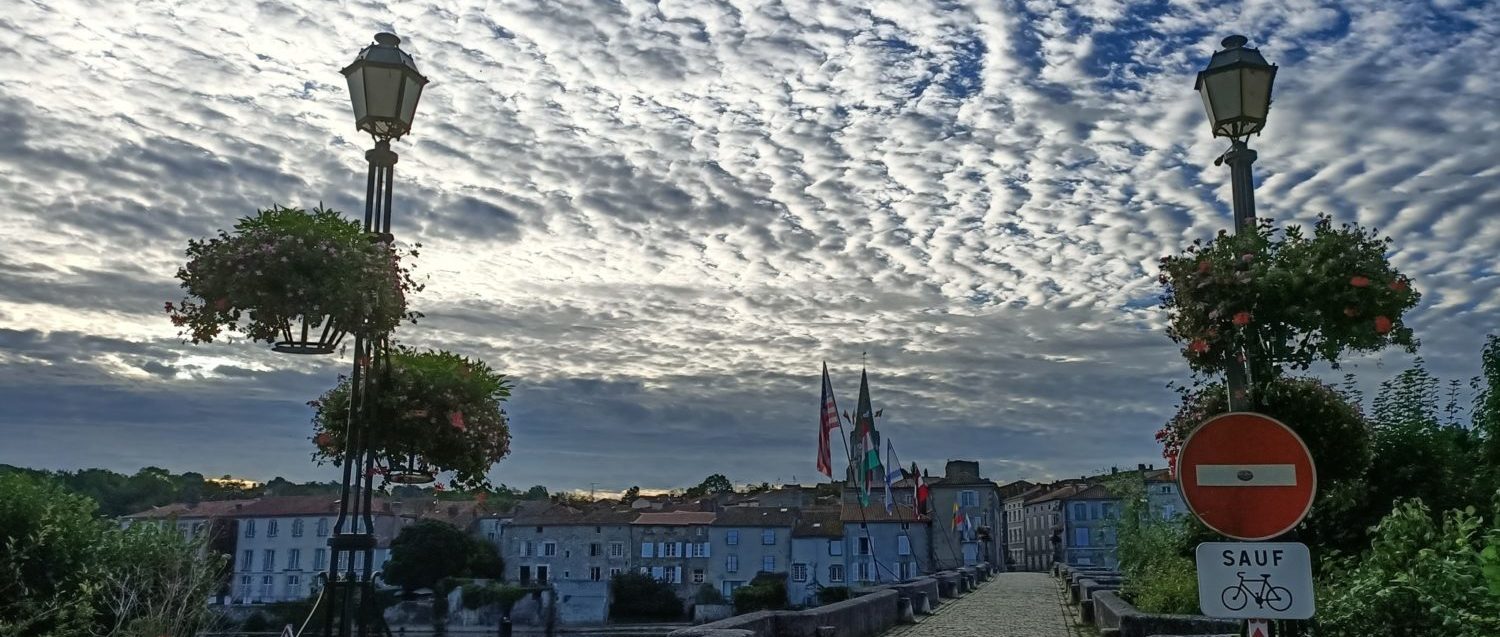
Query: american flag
x=828 y=420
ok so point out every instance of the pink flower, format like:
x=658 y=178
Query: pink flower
x=1359 y=281
x=1241 y=319
x=1400 y=285
x=1198 y=346
x=1247 y=257
x=1204 y=266
x=456 y=418
x=1382 y=325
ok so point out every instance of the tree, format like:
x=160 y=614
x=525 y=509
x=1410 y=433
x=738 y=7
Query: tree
x=48 y=540
x=153 y=582
x=427 y=552
x=640 y=596
x=714 y=484
x=631 y=495
x=766 y=591
x=537 y=492
x=484 y=560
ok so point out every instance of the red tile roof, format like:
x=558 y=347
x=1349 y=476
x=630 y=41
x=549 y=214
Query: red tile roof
x=183 y=510
x=676 y=518
x=876 y=513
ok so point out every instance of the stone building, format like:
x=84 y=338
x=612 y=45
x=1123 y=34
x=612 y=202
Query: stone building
x=675 y=547
x=561 y=543
x=750 y=540
x=1015 y=527
x=1042 y=526
x=818 y=553
x=1088 y=529
x=980 y=513
x=281 y=544
x=885 y=547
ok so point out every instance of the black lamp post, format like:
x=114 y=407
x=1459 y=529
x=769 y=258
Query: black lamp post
x=384 y=86
x=1236 y=90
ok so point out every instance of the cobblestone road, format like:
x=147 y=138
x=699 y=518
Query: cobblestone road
x=1009 y=605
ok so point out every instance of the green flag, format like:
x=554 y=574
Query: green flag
x=866 y=453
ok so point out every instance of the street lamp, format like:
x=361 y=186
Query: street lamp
x=384 y=87
x=1236 y=91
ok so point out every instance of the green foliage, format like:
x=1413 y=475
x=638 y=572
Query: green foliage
x=714 y=484
x=1419 y=579
x=631 y=495
x=118 y=494
x=1290 y=298
x=766 y=591
x=640 y=596
x=436 y=406
x=48 y=558
x=281 y=264
x=484 y=560
x=478 y=595
x=1154 y=553
x=153 y=581
x=536 y=492
x=832 y=594
x=426 y=553
x=707 y=594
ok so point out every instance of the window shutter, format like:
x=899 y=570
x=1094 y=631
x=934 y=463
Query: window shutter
x=679 y=550
x=707 y=552
x=661 y=549
x=646 y=549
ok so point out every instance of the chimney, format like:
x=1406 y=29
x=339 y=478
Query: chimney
x=1141 y=466
x=1114 y=470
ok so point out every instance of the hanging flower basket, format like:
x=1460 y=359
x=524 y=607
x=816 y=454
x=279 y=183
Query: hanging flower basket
x=1286 y=297
x=430 y=412
x=295 y=279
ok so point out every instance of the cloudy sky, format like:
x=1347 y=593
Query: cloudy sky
x=661 y=216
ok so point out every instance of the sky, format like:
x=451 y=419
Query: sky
x=661 y=217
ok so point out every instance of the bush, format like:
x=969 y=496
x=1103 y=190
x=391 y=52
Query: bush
x=426 y=553
x=707 y=594
x=478 y=595
x=1167 y=585
x=1419 y=578
x=48 y=542
x=832 y=594
x=640 y=596
x=1155 y=554
x=766 y=592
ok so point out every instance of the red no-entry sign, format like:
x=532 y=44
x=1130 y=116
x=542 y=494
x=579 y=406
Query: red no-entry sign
x=1247 y=476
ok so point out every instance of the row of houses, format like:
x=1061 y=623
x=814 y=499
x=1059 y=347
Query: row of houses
x=817 y=536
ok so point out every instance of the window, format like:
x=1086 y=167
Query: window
x=598 y=529
x=700 y=549
x=594 y=549
x=732 y=537
x=525 y=548
x=729 y=588
x=567 y=575
x=549 y=549
x=249 y=528
x=697 y=576
x=1080 y=511
x=659 y=573
x=1108 y=510
x=294 y=559
x=768 y=563
x=968 y=499
x=732 y=564
x=799 y=572
x=768 y=536
x=864 y=546
x=318 y=556
x=271 y=528
x=245 y=584
x=247 y=561
x=538 y=529
x=594 y=573
x=322 y=527
x=1169 y=511
x=265 y=586
x=525 y=574
x=613 y=571
x=617 y=549
x=835 y=573
x=648 y=549
x=294 y=586
x=671 y=549
x=541 y=574
x=903 y=545
x=835 y=547
x=1080 y=537
x=863 y=571
x=297 y=527
x=268 y=560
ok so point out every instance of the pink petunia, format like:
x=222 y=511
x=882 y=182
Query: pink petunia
x=456 y=418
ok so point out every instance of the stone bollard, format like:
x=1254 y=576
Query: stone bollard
x=826 y=631
x=904 y=612
x=920 y=604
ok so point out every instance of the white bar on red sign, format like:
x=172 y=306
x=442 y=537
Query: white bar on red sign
x=1247 y=475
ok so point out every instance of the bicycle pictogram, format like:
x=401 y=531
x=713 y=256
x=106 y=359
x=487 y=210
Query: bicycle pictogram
x=1276 y=598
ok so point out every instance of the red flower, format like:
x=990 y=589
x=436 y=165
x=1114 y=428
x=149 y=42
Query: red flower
x=1241 y=319
x=1399 y=285
x=1204 y=266
x=1247 y=257
x=1382 y=325
x=169 y=306
x=437 y=487
x=323 y=439
x=1351 y=311
x=456 y=418
x=1198 y=346
x=1359 y=281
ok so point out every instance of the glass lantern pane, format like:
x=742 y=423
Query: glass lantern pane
x=1224 y=89
x=382 y=88
x=1256 y=92
x=357 y=93
x=1208 y=105
x=409 y=98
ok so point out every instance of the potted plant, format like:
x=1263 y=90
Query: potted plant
x=296 y=279
x=1285 y=297
x=432 y=411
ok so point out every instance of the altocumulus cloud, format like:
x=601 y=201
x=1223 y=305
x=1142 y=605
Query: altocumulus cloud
x=661 y=216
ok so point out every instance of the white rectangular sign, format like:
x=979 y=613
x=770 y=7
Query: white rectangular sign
x=1255 y=580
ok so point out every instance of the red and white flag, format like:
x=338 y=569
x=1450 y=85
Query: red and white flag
x=828 y=420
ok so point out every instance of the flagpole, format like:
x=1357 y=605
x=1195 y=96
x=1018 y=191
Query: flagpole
x=865 y=521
